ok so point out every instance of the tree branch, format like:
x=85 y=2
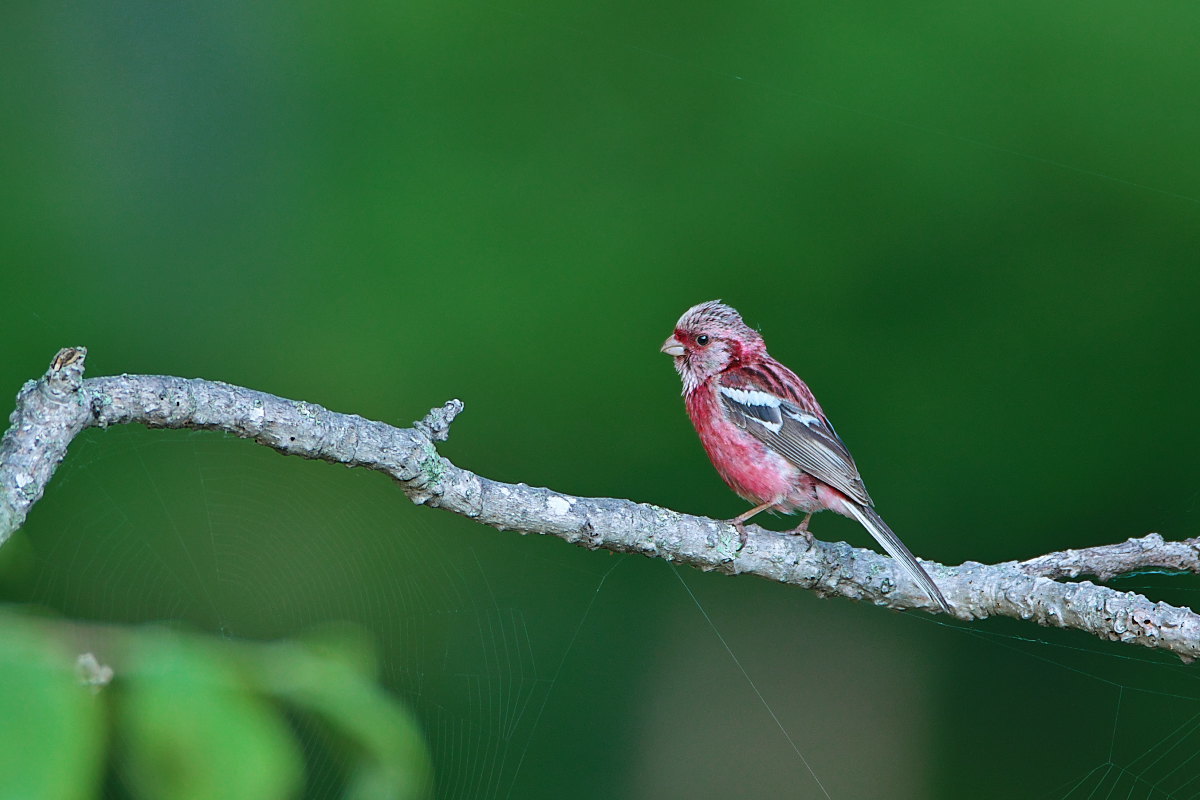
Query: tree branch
x=52 y=410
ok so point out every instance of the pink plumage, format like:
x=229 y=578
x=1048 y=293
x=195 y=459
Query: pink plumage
x=766 y=433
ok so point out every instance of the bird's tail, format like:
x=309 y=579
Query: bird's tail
x=896 y=549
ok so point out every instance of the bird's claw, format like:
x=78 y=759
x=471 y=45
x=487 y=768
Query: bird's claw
x=802 y=531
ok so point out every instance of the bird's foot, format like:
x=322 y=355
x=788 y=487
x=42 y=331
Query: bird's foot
x=739 y=522
x=802 y=531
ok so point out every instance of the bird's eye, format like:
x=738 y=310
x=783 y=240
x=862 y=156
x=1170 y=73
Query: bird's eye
x=702 y=339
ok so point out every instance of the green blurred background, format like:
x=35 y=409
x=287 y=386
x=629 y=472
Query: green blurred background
x=973 y=230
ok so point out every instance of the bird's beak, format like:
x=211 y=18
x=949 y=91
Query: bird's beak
x=672 y=347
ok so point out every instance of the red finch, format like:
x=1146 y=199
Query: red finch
x=767 y=435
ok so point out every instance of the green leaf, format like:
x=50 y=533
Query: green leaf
x=386 y=752
x=51 y=723
x=192 y=730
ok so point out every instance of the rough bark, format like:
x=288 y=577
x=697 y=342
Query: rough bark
x=52 y=410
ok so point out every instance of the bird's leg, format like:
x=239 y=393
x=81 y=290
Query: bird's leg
x=739 y=522
x=802 y=530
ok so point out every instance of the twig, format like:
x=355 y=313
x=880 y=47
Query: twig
x=1110 y=560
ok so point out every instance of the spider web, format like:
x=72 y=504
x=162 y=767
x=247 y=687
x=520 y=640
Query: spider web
x=542 y=670
x=232 y=539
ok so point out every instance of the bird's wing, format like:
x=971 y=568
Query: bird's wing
x=806 y=440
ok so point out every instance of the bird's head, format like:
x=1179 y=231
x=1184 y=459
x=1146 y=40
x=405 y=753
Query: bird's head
x=709 y=339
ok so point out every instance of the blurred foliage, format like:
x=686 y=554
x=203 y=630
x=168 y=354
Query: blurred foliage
x=973 y=230
x=54 y=739
x=189 y=717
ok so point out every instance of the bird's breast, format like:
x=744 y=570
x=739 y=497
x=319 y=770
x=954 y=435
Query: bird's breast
x=754 y=471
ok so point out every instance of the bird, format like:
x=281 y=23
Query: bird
x=767 y=435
